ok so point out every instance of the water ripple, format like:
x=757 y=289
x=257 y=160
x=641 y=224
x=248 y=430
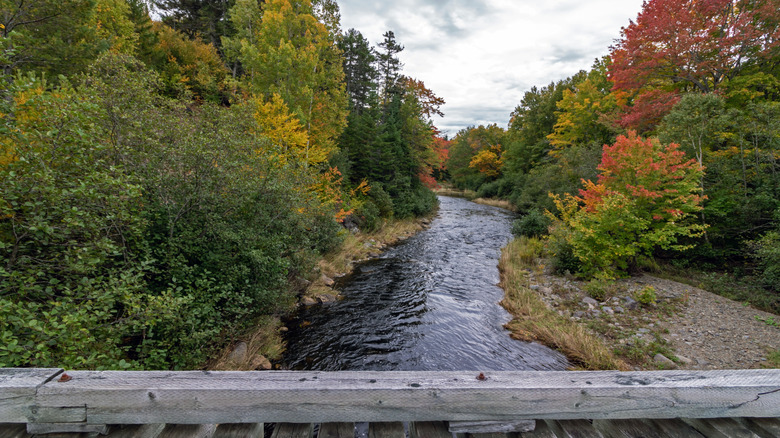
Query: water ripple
x=430 y=303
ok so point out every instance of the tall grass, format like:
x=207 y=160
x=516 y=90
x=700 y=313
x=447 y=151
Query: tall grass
x=533 y=321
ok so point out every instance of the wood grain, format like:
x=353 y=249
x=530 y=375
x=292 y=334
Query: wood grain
x=115 y=397
x=337 y=430
x=18 y=387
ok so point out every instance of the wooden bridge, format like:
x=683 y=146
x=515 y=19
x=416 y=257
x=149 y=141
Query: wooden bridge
x=57 y=403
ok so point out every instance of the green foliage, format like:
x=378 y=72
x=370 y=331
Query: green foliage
x=532 y=224
x=599 y=288
x=137 y=233
x=646 y=295
x=645 y=194
x=767 y=252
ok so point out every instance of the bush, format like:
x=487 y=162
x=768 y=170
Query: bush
x=600 y=288
x=767 y=253
x=533 y=224
x=646 y=295
x=415 y=202
x=381 y=199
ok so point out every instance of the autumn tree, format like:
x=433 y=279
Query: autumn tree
x=684 y=45
x=643 y=200
x=586 y=112
x=295 y=56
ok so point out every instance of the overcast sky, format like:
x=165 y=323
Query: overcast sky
x=481 y=56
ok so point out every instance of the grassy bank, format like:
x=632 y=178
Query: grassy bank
x=472 y=196
x=533 y=321
x=264 y=343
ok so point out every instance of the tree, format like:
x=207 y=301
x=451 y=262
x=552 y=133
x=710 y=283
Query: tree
x=204 y=19
x=645 y=193
x=296 y=58
x=585 y=113
x=62 y=37
x=188 y=65
x=685 y=45
x=694 y=43
x=360 y=75
x=389 y=64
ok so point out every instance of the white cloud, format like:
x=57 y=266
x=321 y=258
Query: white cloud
x=481 y=56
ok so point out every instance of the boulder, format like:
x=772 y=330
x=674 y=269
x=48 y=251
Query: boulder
x=308 y=301
x=664 y=362
x=238 y=354
x=260 y=362
x=327 y=281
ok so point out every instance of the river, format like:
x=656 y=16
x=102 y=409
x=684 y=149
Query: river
x=429 y=303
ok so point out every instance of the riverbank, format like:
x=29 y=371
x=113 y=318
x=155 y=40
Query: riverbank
x=647 y=322
x=473 y=197
x=257 y=349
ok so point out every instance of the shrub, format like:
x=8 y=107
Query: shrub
x=646 y=295
x=600 y=288
x=645 y=199
x=767 y=253
x=533 y=224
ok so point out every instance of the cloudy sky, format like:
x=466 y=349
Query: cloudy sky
x=481 y=56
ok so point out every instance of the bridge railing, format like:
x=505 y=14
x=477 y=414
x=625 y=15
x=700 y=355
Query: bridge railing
x=55 y=396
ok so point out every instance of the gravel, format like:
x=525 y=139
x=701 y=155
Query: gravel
x=707 y=330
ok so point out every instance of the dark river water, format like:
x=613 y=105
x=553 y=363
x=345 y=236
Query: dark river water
x=429 y=303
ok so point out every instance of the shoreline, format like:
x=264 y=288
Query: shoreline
x=680 y=327
x=259 y=348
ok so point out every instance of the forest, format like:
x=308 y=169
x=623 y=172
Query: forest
x=165 y=183
x=663 y=156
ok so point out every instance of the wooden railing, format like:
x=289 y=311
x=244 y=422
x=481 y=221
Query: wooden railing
x=57 y=397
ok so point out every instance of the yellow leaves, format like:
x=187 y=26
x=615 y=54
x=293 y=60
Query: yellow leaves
x=488 y=161
x=283 y=129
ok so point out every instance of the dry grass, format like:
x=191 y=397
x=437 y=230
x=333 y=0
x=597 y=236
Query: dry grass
x=500 y=203
x=451 y=191
x=265 y=340
x=533 y=321
x=358 y=247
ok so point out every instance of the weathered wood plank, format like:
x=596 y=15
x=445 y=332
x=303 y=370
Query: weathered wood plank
x=249 y=430
x=429 y=429
x=720 y=428
x=542 y=431
x=18 y=387
x=293 y=430
x=188 y=431
x=13 y=431
x=574 y=429
x=386 y=430
x=286 y=396
x=483 y=435
x=337 y=430
x=491 y=426
x=50 y=428
x=764 y=427
x=676 y=428
x=629 y=428
x=136 y=431
x=57 y=414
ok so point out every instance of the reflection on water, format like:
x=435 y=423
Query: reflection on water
x=430 y=303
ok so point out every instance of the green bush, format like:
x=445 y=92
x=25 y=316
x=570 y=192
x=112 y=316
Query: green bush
x=600 y=288
x=646 y=295
x=532 y=224
x=767 y=253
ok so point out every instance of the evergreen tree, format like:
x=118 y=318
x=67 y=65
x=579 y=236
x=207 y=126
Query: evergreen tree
x=389 y=64
x=360 y=74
